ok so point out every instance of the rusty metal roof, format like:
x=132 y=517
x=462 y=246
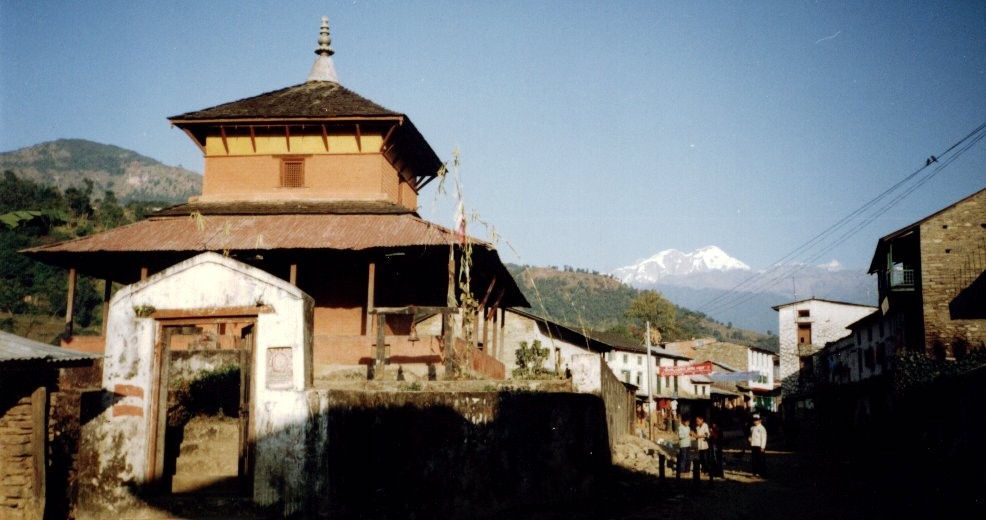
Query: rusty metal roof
x=261 y=233
x=161 y=241
x=17 y=349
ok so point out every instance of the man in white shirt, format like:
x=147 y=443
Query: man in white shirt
x=758 y=446
x=685 y=435
x=702 y=442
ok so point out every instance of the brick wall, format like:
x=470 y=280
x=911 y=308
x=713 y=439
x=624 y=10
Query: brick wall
x=23 y=409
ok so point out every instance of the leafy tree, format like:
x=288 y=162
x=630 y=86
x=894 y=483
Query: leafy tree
x=110 y=213
x=18 y=194
x=80 y=200
x=32 y=214
x=651 y=306
x=15 y=272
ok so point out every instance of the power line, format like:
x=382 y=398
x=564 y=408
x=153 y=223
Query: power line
x=862 y=216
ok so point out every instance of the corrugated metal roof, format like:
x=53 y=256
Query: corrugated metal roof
x=14 y=348
x=262 y=233
x=312 y=99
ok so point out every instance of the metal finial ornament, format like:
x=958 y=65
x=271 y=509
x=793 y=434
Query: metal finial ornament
x=324 y=69
x=324 y=41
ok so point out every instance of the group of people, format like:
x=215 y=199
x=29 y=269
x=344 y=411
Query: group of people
x=704 y=443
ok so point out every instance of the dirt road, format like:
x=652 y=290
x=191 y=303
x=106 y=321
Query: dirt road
x=805 y=485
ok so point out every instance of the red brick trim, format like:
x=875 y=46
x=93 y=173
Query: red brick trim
x=129 y=391
x=120 y=410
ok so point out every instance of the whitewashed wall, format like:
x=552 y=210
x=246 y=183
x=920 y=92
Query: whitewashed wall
x=206 y=281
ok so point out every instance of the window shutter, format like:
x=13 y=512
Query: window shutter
x=292 y=173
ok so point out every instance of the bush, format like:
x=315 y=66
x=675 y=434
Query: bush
x=213 y=393
x=530 y=361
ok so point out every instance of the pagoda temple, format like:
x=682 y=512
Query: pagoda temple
x=318 y=186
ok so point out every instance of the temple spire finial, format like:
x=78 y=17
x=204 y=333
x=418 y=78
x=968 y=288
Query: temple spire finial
x=324 y=69
x=324 y=42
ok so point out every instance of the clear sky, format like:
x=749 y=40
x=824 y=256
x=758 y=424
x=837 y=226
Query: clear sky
x=592 y=134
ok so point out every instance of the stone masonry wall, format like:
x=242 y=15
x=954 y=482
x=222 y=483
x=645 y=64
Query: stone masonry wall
x=953 y=249
x=22 y=446
x=438 y=455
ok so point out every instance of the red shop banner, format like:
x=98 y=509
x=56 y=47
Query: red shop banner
x=687 y=370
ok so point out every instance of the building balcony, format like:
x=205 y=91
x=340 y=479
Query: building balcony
x=901 y=279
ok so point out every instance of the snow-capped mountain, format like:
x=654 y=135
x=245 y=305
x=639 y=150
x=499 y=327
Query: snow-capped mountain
x=673 y=263
x=692 y=280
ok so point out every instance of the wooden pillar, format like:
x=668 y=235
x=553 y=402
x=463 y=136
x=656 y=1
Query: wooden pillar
x=450 y=365
x=70 y=303
x=107 y=290
x=475 y=327
x=494 y=347
x=143 y=273
x=504 y=349
x=293 y=274
x=486 y=331
x=371 y=282
x=38 y=447
x=381 y=345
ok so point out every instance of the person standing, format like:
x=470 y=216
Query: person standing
x=715 y=448
x=758 y=446
x=702 y=444
x=685 y=435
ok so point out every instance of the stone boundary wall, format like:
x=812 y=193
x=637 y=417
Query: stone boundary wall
x=590 y=374
x=434 y=454
x=619 y=405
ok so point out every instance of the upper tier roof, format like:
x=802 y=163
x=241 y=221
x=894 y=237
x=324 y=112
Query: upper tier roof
x=325 y=100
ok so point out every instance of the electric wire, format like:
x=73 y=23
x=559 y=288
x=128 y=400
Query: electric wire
x=862 y=217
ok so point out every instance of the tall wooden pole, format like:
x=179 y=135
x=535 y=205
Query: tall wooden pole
x=371 y=277
x=70 y=303
x=107 y=290
x=650 y=389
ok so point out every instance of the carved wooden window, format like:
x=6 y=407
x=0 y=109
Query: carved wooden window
x=292 y=173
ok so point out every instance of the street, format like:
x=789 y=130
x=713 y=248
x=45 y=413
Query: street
x=802 y=484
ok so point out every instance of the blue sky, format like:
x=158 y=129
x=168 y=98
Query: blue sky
x=592 y=134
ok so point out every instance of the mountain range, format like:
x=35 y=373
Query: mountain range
x=65 y=163
x=708 y=280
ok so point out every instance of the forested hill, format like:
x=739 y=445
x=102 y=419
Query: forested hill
x=67 y=163
x=595 y=301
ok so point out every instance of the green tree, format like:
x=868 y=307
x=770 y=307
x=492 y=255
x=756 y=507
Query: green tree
x=80 y=200
x=110 y=214
x=650 y=306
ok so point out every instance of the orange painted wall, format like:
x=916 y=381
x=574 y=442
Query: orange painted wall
x=337 y=177
x=360 y=350
x=337 y=167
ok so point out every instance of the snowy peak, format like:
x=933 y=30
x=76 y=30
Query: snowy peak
x=672 y=262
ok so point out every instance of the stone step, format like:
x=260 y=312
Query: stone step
x=208 y=456
x=206 y=485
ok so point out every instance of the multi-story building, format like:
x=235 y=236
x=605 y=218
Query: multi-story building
x=805 y=326
x=757 y=365
x=628 y=361
x=932 y=280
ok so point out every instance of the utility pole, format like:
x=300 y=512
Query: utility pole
x=650 y=389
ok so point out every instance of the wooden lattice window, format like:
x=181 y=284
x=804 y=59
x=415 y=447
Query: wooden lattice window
x=292 y=173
